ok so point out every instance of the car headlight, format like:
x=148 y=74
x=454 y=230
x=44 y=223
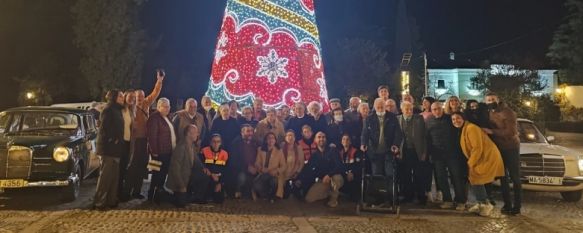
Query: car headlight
x=581 y=167
x=61 y=154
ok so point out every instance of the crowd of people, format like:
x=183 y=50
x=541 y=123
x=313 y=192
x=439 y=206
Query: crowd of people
x=201 y=154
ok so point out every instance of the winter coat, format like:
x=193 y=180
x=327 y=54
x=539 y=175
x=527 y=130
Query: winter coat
x=504 y=128
x=110 y=137
x=181 y=165
x=484 y=159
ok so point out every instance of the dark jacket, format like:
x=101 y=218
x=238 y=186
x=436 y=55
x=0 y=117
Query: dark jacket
x=241 y=121
x=111 y=131
x=440 y=137
x=351 y=159
x=325 y=163
x=208 y=117
x=159 y=135
x=371 y=131
x=296 y=125
x=319 y=125
x=243 y=155
x=419 y=135
x=335 y=131
x=228 y=129
x=504 y=127
x=478 y=116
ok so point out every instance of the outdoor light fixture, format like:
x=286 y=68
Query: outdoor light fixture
x=560 y=90
x=528 y=103
x=30 y=95
x=405 y=82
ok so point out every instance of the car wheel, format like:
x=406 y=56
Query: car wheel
x=573 y=196
x=72 y=191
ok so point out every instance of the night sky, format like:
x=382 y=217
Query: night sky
x=188 y=30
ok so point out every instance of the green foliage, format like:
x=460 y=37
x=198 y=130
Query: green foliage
x=567 y=47
x=110 y=36
x=356 y=67
x=517 y=89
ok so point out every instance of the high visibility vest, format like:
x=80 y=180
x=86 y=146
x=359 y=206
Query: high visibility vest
x=217 y=158
x=308 y=149
x=349 y=156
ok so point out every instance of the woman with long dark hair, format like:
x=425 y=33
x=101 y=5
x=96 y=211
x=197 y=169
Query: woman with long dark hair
x=293 y=156
x=484 y=161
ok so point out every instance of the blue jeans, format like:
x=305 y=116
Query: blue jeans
x=480 y=193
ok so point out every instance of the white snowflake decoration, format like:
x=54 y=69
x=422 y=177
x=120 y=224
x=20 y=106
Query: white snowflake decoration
x=323 y=91
x=272 y=66
x=223 y=40
x=219 y=54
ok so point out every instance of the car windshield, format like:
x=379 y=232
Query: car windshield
x=43 y=121
x=529 y=133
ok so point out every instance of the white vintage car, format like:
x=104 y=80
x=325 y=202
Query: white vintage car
x=547 y=167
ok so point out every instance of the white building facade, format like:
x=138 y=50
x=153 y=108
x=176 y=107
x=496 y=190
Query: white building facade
x=443 y=83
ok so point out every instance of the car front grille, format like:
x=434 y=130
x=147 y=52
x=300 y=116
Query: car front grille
x=17 y=163
x=542 y=165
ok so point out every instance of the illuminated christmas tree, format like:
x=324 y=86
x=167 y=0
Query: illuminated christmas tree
x=268 y=49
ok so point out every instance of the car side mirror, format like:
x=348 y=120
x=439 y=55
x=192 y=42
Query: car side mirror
x=551 y=138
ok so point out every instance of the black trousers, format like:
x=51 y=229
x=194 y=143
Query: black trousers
x=414 y=175
x=198 y=185
x=511 y=160
x=159 y=177
x=265 y=185
x=123 y=166
x=138 y=168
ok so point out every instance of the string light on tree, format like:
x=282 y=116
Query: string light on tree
x=268 y=49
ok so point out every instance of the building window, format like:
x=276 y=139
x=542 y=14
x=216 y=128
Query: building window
x=440 y=84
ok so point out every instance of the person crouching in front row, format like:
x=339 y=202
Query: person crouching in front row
x=215 y=161
x=269 y=165
x=327 y=167
x=184 y=161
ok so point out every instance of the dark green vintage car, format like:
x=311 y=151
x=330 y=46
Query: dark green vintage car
x=47 y=147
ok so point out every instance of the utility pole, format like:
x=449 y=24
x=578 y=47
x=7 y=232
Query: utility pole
x=426 y=78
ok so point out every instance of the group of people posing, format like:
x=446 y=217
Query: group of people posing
x=199 y=154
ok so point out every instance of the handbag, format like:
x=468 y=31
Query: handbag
x=154 y=165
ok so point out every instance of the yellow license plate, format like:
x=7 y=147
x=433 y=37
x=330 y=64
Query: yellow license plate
x=17 y=183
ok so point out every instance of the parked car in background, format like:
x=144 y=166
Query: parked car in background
x=84 y=106
x=547 y=167
x=47 y=147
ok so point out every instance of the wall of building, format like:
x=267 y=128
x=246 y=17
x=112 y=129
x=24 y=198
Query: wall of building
x=575 y=95
x=458 y=82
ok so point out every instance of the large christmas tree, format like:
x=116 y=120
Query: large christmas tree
x=268 y=49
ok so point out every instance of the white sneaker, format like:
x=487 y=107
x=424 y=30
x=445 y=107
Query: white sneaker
x=438 y=197
x=430 y=198
x=460 y=207
x=446 y=205
x=486 y=209
x=332 y=204
x=474 y=209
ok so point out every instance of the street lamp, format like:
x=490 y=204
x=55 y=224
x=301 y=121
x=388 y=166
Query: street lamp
x=528 y=103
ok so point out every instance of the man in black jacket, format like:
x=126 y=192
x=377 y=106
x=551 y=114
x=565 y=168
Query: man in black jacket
x=109 y=147
x=381 y=134
x=328 y=169
x=440 y=141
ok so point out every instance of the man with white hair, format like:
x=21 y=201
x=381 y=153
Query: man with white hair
x=414 y=168
x=382 y=137
x=162 y=140
x=188 y=116
x=319 y=123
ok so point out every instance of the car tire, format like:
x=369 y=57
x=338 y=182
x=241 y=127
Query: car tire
x=72 y=191
x=573 y=196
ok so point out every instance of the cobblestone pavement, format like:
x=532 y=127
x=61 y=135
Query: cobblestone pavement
x=41 y=211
